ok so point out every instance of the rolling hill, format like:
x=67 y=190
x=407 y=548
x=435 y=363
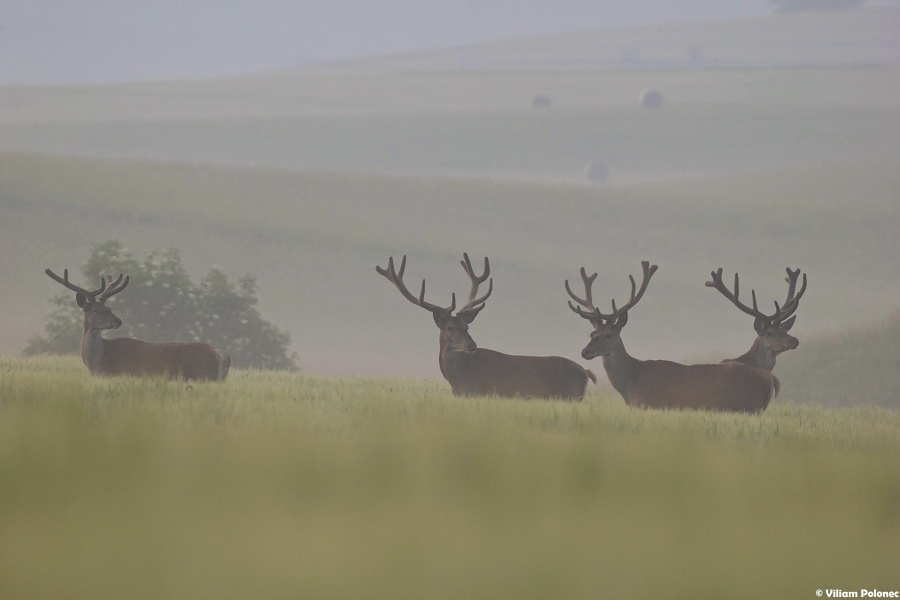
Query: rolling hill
x=310 y=178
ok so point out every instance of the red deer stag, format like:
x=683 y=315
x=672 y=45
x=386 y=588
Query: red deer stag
x=771 y=330
x=126 y=356
x=471 y=370
x=729 y=387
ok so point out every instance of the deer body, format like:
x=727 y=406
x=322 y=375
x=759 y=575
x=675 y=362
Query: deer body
x=730 y=386
x=126 y=356
x=488 y=372
x=760 y=354
x=473 y=371
x=192 y=360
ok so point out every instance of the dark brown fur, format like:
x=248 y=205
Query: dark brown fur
x=473 y=371
x=487 y=372
x=729 y=386
x=126 y=356
x=772 y=337
x=190 y=361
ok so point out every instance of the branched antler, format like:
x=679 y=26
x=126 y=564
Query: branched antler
x=474 y=304
x=587 y=302
x=781 y=312
x=105 y=291
x=396 y=278
x=793 y=300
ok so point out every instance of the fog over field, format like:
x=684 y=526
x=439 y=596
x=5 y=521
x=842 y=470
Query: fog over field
x=776 y=145
x=53 y=41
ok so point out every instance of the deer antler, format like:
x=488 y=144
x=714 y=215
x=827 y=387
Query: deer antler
x=473 y=304
x=648 y=271
x=587 y=302
x=65 y=281
x=718 y=284
x=105 y=291
x=112 y=288
x=397 y=279
x=781 y=312
x=792 y=301
x=596 y=316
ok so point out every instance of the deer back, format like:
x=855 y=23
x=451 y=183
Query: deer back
x=729 y=387
x=488 y=372
x=191 y=361
x=661 y=383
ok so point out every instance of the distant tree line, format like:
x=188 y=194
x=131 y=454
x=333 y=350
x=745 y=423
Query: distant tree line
x=162 y=304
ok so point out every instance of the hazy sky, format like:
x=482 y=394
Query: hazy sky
x=81 y=41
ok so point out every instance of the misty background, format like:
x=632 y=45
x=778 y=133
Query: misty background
x=304 y=143
x=57 y=41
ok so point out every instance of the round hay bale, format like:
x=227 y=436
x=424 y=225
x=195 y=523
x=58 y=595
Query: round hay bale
x=651 y=98
x=541 y=102
x=596 y=171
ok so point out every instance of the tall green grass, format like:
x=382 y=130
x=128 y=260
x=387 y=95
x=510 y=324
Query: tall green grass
x=277 y=485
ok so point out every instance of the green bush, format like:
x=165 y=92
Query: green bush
x=169 y=307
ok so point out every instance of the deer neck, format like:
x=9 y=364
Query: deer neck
x=622 y=369
x=92 y=347
x=758 y=356
x=453 y=362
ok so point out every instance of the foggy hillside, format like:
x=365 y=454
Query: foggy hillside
x=310 y=178
x=46 y=42
x=857 y=366
x=855 y=37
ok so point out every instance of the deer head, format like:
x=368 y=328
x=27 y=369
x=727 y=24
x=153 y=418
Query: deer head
x=454 y=328
x=607 y=327
x=772 y=330
x=96 y=314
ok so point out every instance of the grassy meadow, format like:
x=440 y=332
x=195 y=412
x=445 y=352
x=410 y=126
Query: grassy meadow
x=274 y=485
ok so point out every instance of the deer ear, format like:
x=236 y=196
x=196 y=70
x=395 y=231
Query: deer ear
x=80 y=299
x=469 y=315
x=440 y=318
x=789 y=323
x=620 y=322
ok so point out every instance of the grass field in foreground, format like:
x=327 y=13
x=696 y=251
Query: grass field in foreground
x=276 y=485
